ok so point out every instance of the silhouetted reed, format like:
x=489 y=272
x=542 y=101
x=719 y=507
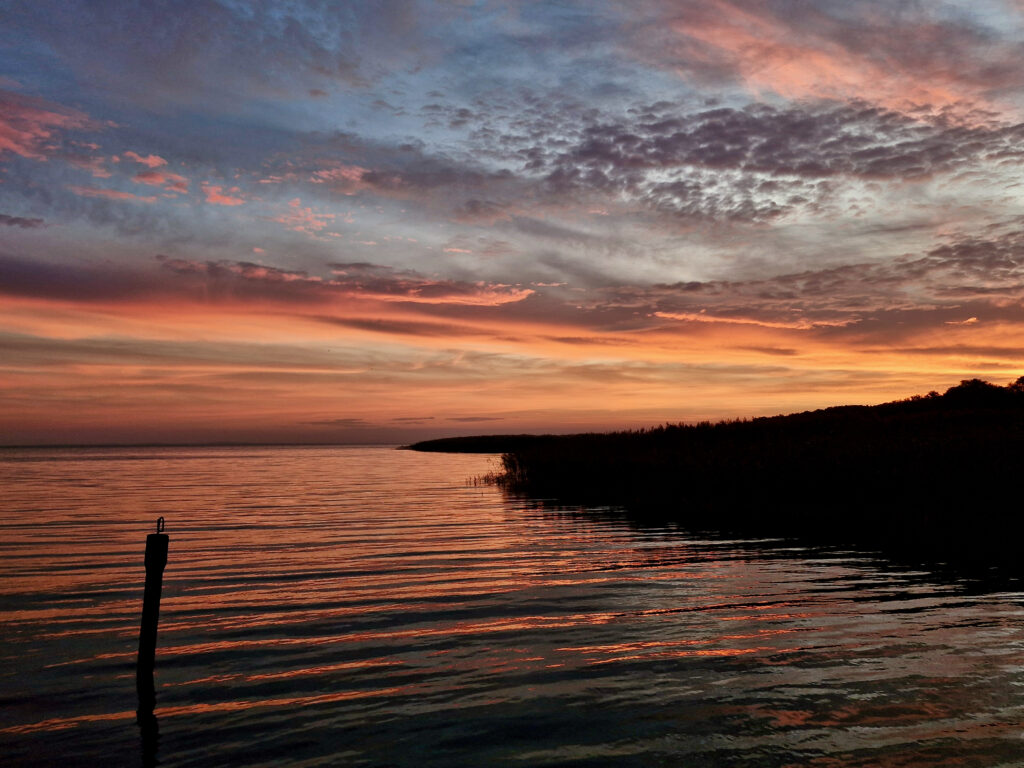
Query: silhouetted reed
x=938 y=470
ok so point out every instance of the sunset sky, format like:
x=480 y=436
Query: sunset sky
x=384 y=221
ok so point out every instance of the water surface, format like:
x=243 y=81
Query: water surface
x=368 y=607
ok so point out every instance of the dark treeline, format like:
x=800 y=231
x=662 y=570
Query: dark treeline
x=476 y=444
x=942 y=471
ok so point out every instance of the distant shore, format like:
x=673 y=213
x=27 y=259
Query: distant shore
x=942 y=471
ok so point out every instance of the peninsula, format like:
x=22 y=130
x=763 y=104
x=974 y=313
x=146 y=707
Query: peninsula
x=941 y=469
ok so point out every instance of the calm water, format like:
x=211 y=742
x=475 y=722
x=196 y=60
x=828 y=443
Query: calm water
x=366 y=606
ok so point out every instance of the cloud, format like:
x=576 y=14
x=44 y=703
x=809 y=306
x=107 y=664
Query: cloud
x=77 y=282
x=20 y=221
x=757 y=162
x=216 y=196
x=343 y=423
x=967 y=277
x=171 y=182
x=109 y=194
x=894 y=54
x=406 y=172
x=30 y=127
x=303 y=219
x=403 y=327
x=389 y=284
x=753 y=163
x=798 y=325
x=240 y=281
x=346 y=179
x=94 y=165
x=150 y=161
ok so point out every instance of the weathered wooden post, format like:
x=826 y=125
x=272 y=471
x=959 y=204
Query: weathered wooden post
x=156 y=561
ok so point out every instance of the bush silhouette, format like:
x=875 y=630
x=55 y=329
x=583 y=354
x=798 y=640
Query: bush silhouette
x=934 y=468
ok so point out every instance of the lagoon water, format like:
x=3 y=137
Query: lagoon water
x=369 y=607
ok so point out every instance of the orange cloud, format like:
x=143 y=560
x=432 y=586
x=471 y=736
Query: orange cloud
x=797 y=325
x=203 y=371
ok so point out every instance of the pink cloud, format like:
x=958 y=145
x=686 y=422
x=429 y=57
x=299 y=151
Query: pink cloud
x=171 y=182
x=356 y=281
x=303 y=219
x=29 y=126
x=93 y=165
x=797 y=325
x=109 y=194
x=347 y=179
x=150 y=161
x=894 y=61
x=380 y=283
x=216 y=196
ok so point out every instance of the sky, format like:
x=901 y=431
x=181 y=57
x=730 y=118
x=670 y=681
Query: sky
x=394 y=220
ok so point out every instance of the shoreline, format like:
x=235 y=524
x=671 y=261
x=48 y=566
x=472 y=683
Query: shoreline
x=936 y=472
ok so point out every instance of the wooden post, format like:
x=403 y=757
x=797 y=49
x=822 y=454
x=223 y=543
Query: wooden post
x=156 y=560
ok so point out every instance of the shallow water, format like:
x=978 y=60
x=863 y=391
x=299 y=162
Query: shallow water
x=366 y=606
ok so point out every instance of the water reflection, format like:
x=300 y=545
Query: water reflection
x=365 y=606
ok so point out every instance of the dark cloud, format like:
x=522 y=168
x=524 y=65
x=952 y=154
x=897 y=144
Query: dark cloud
x=610 y=341
x=778 y=351
x=20 y=221
x=76 y=282
x=343 y=423
x=241 y=281
x=347 y=164
x=746 y=164
x=247 y=357
x=757 y=162
x=373 y=280
x=967 y=281
x=402 y=327
x=481 y=211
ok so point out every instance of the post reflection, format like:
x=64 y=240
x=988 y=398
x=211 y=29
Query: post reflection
x=149 y=733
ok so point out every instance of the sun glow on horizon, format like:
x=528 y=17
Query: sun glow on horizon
x=735 y=210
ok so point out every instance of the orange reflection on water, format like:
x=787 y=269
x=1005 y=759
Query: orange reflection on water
x=667 y=649
x=64 y=723
x=643 y=645
x=714 y=652
x=363 y=664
